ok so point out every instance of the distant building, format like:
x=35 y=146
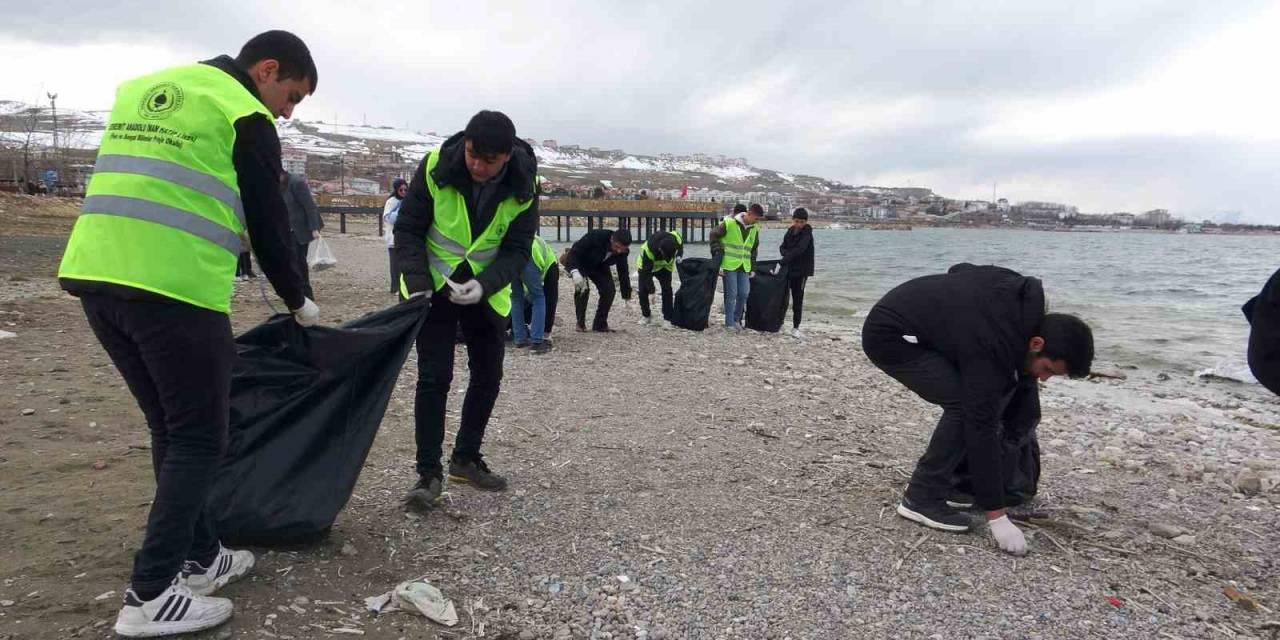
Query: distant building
x=551 y=144
x=1123 y=220
x=1002 y=205
x=1155 y=218
x=294 y=161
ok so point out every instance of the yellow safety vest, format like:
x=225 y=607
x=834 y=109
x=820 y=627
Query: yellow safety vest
x=659 y=265
x=737 y=251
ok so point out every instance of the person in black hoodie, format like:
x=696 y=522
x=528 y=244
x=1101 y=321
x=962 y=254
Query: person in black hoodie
x=463 y=233
x=962 y=340
x=589 y=259
x=797 y=257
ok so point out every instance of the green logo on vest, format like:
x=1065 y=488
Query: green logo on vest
x=161 y=101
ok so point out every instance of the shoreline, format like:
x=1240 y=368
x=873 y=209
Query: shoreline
x=744 y=485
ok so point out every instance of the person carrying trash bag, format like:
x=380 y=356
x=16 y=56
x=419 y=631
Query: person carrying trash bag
x=734 y=244
x=463 y=233
x=536 y=287
x=961 y=340
x=152 y=258
x=797 y=259
x=589 y=259
x=657 y=259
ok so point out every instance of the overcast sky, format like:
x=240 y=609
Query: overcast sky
x=1109 y=105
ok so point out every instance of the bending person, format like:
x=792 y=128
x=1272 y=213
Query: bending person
x=657 y=259
x=589 y=259
x=961 y=340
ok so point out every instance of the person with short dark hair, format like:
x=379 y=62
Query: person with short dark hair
x=589 y=259
x=657 y=259
x=305 y=221
x=463 y=233
x=390 y=211
x=734 y=245
x=797 y=259
x=152 y=258
x=962 y=340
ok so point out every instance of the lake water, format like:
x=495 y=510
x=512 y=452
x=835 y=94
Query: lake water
x=1154 y=300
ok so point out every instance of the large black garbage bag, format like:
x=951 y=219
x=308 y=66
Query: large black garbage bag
x=1019 y=446
x=1263 y=313
x=767 y=302
x=305 y=406
x=697 y=290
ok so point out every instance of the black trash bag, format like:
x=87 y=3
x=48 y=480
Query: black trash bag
x=692 y=309
x=305 y=406
x=1263 y=313
x=769 y=298
x=1019 y=447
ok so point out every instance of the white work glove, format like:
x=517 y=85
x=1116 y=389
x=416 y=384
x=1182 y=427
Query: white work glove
x=1008 y=536
x=416 y=294
x=308 y=314
x=776 y=269
x=679 y=259
x=579 y=282
x=751 y=274
x=469 y=292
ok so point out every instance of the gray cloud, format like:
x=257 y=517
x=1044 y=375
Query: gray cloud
x=843 y=90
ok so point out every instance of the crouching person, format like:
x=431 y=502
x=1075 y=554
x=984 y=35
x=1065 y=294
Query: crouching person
x=961 y=340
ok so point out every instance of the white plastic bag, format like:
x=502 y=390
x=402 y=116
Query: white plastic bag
x=319 y=255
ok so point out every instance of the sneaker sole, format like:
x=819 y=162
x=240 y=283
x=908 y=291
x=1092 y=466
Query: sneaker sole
x=468 y=482
x=929 y=522
x=160 y=629
x=960 y=505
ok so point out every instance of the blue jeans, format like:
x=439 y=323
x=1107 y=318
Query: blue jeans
x=531 y=278
x=737 y=286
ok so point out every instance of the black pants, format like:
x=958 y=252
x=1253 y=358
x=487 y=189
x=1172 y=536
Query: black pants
x=176 y=360
x=551 y=288
x=646 y=288
x=395 y=273
x=244 y=266
x=605 y=289
x=483 y=332
x=300 y=254
x=797 y=300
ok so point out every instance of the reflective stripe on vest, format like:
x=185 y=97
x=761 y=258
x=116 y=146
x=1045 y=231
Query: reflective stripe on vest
x=543 y=255
x=737 y=250
x=659 y=265
x=451 y=240
x=162 y=212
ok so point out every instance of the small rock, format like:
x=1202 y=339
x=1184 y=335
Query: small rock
x=28 y=412
x=6 y=603
x=302 y=601
x=1165 y=530
x=1163 y=377
x=527 y=635
x=100 y=465
x=348 y=549
x=1249 y=483
x=1185 y=539
x=105 y=595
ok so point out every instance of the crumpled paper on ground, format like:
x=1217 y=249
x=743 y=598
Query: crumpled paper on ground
x=416 y=596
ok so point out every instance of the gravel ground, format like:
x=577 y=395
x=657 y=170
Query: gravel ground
x=665 y=484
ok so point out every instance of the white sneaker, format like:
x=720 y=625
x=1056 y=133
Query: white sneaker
x=666 y=324
x=227 y=567
x=644 y=321
x=174 y=611
x=795 y=333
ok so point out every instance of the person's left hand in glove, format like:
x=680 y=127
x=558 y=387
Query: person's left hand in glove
x=469 y=292
x=751 y=274
x=776 y=269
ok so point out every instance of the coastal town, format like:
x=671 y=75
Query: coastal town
x=43 y=151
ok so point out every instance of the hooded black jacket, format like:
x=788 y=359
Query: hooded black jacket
x=660 y=244
x=980 y=318
x=417 y=212
x=591 y=253
x=797 y=251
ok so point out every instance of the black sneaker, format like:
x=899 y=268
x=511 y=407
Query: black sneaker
x=938 y=516
x=522 y=345
x=476 y=473
x=540 y=348
x=425 y=495
x=960 y=500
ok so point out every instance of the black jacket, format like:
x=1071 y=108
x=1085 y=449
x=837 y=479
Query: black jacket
x=417 y=212
x=661 y=243
x=591 y=253
x=981 y=318
x=304 y=216
x=256 y=157
x=797 y=252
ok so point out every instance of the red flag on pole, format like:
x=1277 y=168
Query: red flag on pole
x=684 y=193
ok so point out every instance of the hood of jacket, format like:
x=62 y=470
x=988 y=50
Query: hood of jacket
x=520 y=179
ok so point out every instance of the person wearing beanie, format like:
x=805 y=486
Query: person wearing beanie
x=657 y=259
x=390 y=211
x=797 y=257
x=734 y=244
x=589 y=259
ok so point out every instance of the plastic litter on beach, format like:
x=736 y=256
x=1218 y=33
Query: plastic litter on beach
x=7 y=334
x=418 y=597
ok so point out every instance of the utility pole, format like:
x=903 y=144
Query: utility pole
x=342 y=174
x=53 y=104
